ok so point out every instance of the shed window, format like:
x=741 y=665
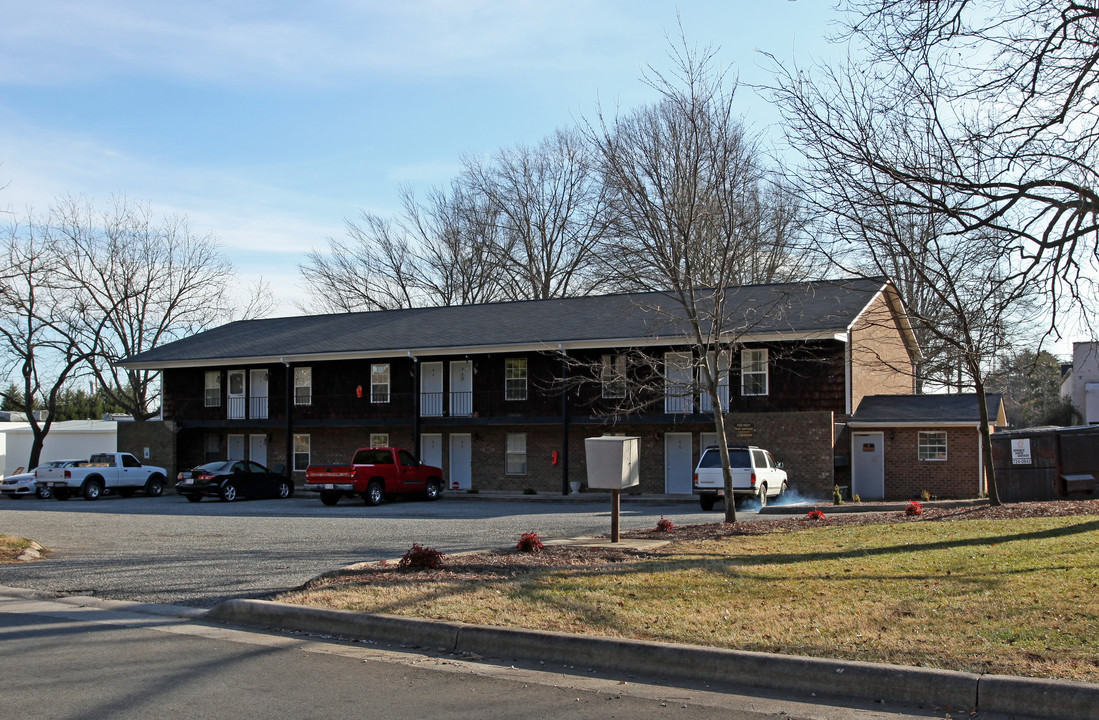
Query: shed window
x=932 y=446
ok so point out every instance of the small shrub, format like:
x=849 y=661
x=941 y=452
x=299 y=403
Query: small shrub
x=856 y=498
x=837 y=496
x=913 y=508
x=815 y=515
x=421 y=558
x=664 y=524
x=530 y=491
x=529 y=542
x=924 y=495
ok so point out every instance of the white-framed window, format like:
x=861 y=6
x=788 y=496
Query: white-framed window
x=515 y=455
x=932 y=445
x=303 y=386
x=515 y=378
x=301 y=453
x=379 y=383
x=213 y=388
x=753 y=372
x=379 y=439
x=613 y=376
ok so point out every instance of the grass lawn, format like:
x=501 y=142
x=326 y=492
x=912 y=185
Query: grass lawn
x=1016 y=596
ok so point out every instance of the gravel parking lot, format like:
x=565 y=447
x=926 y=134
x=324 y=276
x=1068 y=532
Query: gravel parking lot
x=167 y=550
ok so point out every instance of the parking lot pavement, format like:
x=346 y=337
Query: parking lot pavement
x=167 y=550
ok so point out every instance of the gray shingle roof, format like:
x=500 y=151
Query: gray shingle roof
x=823 y=306
x=929 y=409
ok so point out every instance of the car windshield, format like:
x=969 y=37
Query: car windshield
x=738 y=458
x=220 y=467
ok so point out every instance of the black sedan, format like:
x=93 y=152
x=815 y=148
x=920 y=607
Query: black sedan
x=232 y=479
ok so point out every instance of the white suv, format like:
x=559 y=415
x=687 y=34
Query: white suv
x=755 y=474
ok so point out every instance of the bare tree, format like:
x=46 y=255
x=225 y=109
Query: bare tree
x=976 y=123
x=551 y=209
x=439 y=251
x=44 y=328
x=143 y=281
x=683 y=178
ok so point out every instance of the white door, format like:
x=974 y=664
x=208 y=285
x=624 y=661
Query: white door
x=257 y=392
x=868 y=465
x=257 y=449
x=722 y=365
x=705 y=440
x=431 y=450
x=236 y=399
x=678 y=463
x=678 y=383
x=461 y=388
x=461 y=462
x=431 y=389
x=236 y=448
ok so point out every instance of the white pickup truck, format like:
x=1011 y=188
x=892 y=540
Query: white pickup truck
x=103 y=473
x=755 y=475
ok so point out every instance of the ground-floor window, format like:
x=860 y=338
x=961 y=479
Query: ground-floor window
x=301 y=453
x=379 y=439
x=515 y=456
x=932 y=446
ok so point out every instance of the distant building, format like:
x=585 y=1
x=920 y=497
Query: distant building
x=1080 y=385
x=68 y=440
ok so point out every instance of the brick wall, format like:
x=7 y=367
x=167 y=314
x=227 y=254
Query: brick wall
x=159 y=437
x=906 y=476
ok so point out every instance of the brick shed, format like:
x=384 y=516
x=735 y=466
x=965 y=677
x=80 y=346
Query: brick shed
x=902 y=445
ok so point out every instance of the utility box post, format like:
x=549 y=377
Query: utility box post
x=613 y=463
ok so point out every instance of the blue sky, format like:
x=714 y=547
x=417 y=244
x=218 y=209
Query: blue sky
x=270 y=123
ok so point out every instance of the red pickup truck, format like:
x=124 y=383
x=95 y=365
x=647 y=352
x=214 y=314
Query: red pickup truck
x=373 y=474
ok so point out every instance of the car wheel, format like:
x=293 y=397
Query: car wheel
x=43 y=493
x=229 y=491
x=706 y=502
x=330 y=498
x=194 y=498
x=62 y=494
x=763 y=496
x=374 y=494
x=126 y=492
x=92 y=490
x=284 y=490
x=784 y=489
x=155 y=486
x=433 y=490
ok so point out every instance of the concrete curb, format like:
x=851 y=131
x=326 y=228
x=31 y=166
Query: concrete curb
x=785 y=673
x=1041 y=698
x=867 y=507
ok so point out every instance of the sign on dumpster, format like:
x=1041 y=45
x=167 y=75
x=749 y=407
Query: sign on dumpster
x=1020 y=452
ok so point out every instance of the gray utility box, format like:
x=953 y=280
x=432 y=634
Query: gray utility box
x=612 y=462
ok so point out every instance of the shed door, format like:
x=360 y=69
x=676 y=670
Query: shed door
x=678 y=463
x=868 y=465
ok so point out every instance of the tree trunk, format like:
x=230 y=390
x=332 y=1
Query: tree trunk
x=986 y=443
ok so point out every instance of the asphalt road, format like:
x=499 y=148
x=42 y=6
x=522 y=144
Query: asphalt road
x=167 y=550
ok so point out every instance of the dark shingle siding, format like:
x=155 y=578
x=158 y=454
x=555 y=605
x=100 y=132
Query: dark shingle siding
x=800 y=307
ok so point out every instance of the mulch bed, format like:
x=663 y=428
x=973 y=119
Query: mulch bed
x=493 y=565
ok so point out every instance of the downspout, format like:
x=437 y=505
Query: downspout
x=564 y=422
x=847 y=361
x=289 y=423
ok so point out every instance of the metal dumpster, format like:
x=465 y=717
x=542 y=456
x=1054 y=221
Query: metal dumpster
x=1046 y=463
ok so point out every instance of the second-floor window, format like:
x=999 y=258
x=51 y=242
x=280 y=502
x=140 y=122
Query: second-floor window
x=613 y=376
x=303 y=386
x=515 y=379
x=213 y=389
x=379 y=383
x=753 y=372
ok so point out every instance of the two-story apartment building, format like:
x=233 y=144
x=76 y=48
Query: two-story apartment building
x=502 y=395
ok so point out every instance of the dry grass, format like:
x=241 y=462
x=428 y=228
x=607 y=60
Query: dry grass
x=10 y=547
x=1014 y=596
